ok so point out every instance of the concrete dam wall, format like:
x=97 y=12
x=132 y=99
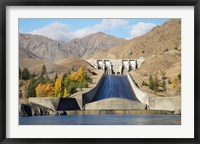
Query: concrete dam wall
x=141 y=96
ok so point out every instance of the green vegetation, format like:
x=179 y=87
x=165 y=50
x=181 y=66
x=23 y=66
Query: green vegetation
x=43 y=86
x=144 y=83
x=31 y=87
x=153 y=83
x=44 y=70
x=25 y=74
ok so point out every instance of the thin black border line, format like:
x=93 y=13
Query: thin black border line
x=3 y=72
x=196 y=72
x=100 y=2
x=5 y=3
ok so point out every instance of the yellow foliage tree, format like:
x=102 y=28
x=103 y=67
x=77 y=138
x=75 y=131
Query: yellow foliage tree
x=174 y=83
x=80 y=74
x=44 y=90
x=57 y=89
x=73 y=76
x=65 y=92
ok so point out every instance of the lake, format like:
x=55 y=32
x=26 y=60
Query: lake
x=102 y=120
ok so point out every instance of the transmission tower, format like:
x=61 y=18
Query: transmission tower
x=49 y=55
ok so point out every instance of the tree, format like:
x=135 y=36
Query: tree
x=64 y=76
x=25 y=74
x=80 y=74
x=44 y=90
x=65 y=92
x=73 y=76
x=58 y=90
x=174 y=83
x=31 y=88
x=66 y=81
x=71 y=88
x=56 y=76
x=179 y=76
x=156 y=84
x=151 y=83
x=44 y=70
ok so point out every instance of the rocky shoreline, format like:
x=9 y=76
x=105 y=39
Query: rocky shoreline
x=32 y=109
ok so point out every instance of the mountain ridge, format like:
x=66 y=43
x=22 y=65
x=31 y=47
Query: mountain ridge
x=82 y=47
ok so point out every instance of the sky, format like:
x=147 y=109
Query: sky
x=67 y=29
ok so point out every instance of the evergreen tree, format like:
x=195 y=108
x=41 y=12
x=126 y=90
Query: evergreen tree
x=55 y=78
x=44 y=70
x=151 y=83
x=31 y=88
x=64 y=76
x=26 y=74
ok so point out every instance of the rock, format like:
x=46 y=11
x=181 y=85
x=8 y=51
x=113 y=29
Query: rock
x=32 y=109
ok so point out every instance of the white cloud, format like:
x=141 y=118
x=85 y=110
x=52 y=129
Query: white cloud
x=104 y=25
x=61 y=32
x=55 y=31
x=141 y=28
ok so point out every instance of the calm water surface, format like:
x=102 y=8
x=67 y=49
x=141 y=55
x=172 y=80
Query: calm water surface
x=102 y=120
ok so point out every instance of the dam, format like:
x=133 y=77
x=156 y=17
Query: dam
x=113 y=89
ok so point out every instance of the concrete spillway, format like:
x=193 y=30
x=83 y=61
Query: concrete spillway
x=115 y=86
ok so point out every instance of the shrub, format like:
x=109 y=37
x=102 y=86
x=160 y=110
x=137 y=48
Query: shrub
x=144 y=83
x=83 y=84
x=151 y=83
x=164 y=85
x=71 y=88
x=179 y=76
x=87 y=79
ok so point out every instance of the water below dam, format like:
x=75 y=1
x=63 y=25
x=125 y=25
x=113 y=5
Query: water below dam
x=102 y=120
x=115 y=86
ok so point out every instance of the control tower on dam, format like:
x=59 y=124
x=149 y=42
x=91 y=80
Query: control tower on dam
x=120 y=66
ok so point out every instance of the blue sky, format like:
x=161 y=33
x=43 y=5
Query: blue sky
x=67 y=29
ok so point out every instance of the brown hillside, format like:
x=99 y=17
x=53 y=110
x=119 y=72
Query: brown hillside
x=158 y=40
x=161 y=48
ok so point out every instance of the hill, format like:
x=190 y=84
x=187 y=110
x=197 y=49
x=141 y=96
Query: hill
x=161 y=48
x=91 y=44
x=160 y=39
x=36 y=46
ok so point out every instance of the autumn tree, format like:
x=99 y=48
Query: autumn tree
x=80 y=74
x=65 y=92
x=174 y=83
x=44 y=90
x=58 y=88
x=73 y=76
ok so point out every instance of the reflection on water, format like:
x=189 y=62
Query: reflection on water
x=102 y=120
